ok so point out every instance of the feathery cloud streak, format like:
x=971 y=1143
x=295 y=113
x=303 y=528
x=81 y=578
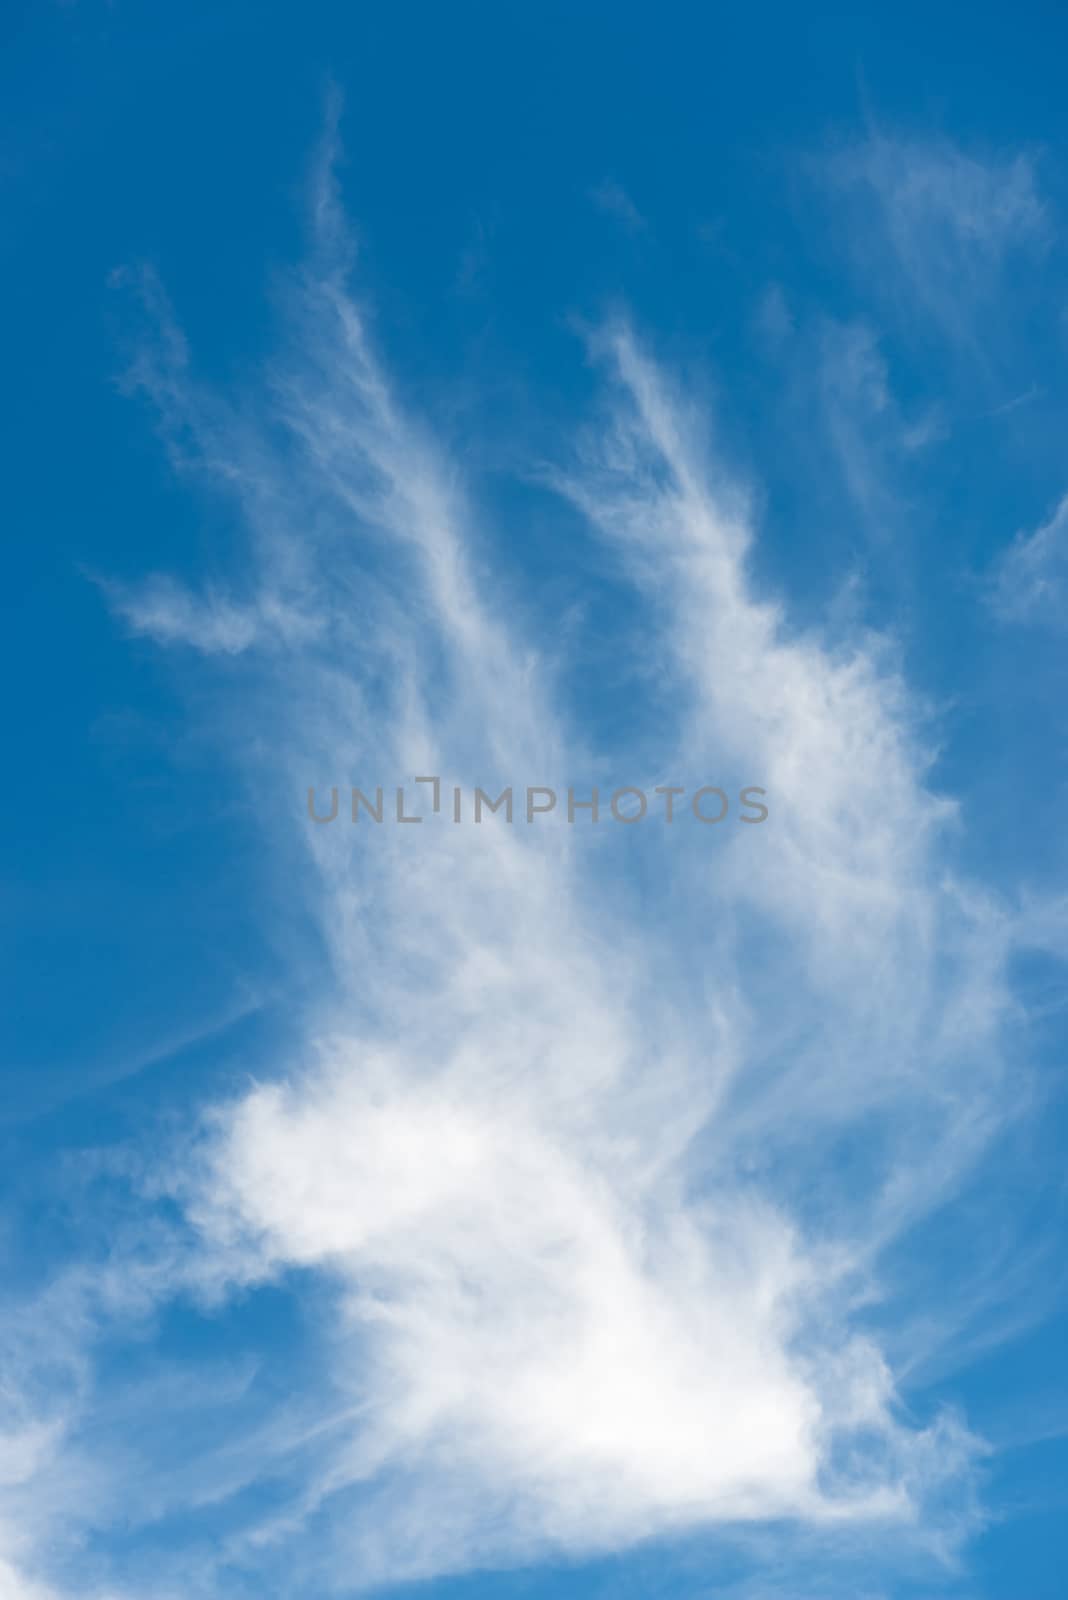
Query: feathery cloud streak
x=579 y=1172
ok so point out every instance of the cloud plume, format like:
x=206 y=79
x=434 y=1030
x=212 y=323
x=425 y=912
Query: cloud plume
x=596 y=1183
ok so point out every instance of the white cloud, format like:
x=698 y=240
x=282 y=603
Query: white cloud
x=1030 y=582
x=948 y=219
x=48 y=1491
x=862 y=421
x=595 y=1182
x=566 y=1197
x=167 y=612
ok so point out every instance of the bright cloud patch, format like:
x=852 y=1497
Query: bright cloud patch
x=577 y=1169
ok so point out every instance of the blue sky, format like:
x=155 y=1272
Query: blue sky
x=567 y=396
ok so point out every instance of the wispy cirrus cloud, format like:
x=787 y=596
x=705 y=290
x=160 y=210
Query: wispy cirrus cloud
x=1030 y=581
x=168 y=612
x=945 y=219
x=592 y=1189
